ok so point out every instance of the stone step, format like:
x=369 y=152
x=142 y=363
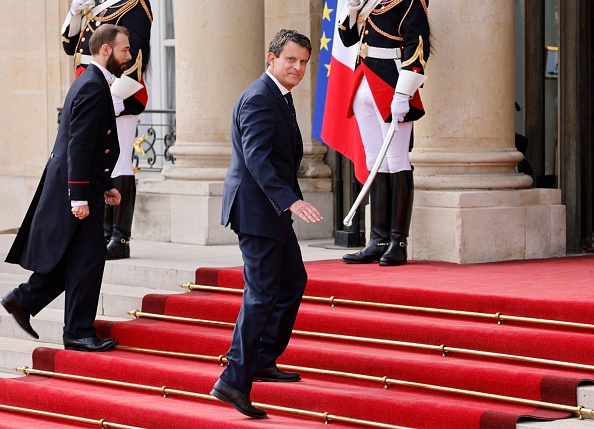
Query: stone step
x=127 y=273
x=49 y=324
x=573 y=423
x=146 y=276
x=114 y=300
x=17 y=353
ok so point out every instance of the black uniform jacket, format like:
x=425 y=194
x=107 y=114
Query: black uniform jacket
x=79 y=168
x=394 y=24
x=261 y=182
x=137 y=17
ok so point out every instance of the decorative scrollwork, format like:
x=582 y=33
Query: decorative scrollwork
x=154 y=136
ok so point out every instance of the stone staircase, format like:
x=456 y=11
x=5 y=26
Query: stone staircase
x=124 y=286
x=157 y=268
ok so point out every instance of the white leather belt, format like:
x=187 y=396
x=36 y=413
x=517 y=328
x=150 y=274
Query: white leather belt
x=82 y=59
x=381 y=53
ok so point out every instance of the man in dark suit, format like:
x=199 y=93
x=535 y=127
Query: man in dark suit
x=61 y=238
x=260 y=193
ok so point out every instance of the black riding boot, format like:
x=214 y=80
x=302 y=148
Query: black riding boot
x=380 y=195
x=402 y=203
x=119 y=247
x=107 y=222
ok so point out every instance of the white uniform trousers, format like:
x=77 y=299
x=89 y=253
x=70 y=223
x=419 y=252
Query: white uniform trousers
x=126 y=134
x=374 y=130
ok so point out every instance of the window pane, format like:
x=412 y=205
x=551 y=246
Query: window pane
x=170 y=77
x=169 y=30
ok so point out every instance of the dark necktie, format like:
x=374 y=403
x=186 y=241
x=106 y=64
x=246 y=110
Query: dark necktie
x=289 y=100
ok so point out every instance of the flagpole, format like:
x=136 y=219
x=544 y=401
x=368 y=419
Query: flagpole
x=348 y=220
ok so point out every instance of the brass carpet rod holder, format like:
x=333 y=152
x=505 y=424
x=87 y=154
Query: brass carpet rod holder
x=580 y=411
x=166 y=391
x=37 y=413
x=333 y=301
x=442 y=349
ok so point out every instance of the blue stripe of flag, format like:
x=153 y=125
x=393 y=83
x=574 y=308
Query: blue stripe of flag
x=323 y=65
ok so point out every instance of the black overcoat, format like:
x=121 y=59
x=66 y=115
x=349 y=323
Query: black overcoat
x=79 y=168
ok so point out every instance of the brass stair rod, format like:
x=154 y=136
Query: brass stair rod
x=333 y=301
x=166 y=391
x=443 y=349
x=579 y=410
x=37 y=413
x=222 y=360
x=386 y=381
x=137 y=313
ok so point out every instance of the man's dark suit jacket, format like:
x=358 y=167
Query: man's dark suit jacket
x=267 y=149
x=79 y=168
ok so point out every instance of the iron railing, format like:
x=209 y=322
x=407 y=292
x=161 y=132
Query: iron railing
x=155 y=134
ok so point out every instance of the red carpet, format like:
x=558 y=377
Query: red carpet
x=549 y=289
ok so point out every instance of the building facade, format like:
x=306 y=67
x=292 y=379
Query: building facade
x=471 y=203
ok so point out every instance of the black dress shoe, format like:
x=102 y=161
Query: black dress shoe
x=274 y=374
x=240 y=401
x=118 y=249
x=14 y=307
x=369 y=254
x=89 y=344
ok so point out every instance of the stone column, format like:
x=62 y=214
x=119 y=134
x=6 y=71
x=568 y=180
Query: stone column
x=471 y=205
x=221 y=47
x=219 y=52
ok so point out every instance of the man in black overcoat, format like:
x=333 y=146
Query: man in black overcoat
x=128 y=92
x=61 y=238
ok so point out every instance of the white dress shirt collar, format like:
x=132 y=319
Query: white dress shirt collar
x=108 y=76
x=283 y=90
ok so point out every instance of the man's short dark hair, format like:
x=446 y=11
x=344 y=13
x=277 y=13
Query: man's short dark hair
x=281 y=38
x=105 y=34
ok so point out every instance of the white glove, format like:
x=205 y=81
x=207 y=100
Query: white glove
x=118 y=104
x=354 y=4
x=399 y=108
x=78 y=6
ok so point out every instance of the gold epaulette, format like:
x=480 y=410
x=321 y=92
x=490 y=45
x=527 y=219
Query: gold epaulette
x=419 y=54
x=137 y=67
x=122 y=10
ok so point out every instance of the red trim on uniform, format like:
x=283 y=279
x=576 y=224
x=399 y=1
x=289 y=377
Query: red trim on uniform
x=416 y=102
x=79 y=70
x=142 y=95
x=357 y=77
x=381 y=91
x=78 y=183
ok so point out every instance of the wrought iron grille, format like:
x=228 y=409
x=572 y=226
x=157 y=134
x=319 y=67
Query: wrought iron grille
x=155 y=134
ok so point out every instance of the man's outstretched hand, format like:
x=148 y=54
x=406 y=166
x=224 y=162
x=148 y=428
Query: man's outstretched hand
x=306 y=211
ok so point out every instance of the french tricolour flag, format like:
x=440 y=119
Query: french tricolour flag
x=335 y=77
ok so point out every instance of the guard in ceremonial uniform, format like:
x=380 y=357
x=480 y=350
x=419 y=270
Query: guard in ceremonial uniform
x=393 y=38
x=129 y=96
